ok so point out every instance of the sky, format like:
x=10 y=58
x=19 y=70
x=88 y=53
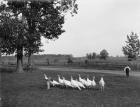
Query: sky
x=99 y=24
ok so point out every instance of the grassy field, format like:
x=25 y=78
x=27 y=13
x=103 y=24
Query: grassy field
x=112 y=63
x=29 y=90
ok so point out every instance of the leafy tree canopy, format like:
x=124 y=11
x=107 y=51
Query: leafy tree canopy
x=39 y=18
x=22 y=23
x=132 y=47
x=104 y=54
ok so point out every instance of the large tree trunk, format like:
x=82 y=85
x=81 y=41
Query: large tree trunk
x=19 y=67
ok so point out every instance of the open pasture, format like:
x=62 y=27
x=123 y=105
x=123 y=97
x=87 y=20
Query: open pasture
x=29 y=90
x=111 y=63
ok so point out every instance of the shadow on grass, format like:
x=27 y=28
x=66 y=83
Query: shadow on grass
x=7 y=70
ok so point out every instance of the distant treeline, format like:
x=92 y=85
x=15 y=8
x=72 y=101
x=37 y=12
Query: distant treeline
x=37 y=58
x=111 y=63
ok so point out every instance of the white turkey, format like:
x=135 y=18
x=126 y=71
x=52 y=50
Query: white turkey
x=89 y=82
x=47 y=81
x=83 y=81
x=61 y=82
x=46 y=78
x=74 y=84
x=102 y=83
x=66 y=82
x=79 y=83
x=93 y=83
x=54 y=83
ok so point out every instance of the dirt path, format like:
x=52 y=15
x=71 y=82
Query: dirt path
x=136 y=74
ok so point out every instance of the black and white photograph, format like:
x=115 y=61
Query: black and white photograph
x=69 y=53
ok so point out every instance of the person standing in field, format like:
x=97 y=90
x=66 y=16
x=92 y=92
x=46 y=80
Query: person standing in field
x=127 y=70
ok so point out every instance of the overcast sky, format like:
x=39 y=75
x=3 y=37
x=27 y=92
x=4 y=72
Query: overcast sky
x=99 y=24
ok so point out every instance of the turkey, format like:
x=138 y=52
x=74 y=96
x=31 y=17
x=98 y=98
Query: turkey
x=54 y=83
x=66 y=82
x=74 y=84
x=102 y=83
x=46 y=78
x=79 y=83
x=89 y=82
x=93 y=83
x=47 y=81
x=83 y=81
x=61 y=82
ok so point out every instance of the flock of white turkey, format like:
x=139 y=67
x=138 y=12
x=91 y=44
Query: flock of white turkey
x=79 y=83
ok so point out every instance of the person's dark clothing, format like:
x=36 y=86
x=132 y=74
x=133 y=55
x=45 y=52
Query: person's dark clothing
x=127 y=72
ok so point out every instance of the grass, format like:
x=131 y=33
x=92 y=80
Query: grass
x=29 y=90
x=112 y=63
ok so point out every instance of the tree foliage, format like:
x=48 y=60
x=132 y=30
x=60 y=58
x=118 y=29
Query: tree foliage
x=91 y=55
x=69 y=60
x=22 y=23
x=94 y=55
x=104 y=54
x=11 y=34
x=132 y=48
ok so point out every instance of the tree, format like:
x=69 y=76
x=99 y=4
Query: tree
x=94 y=55
x=86 y=61
x=33 y=44
x=69 y=60
x=91 y=55
x=104 y=54
x=12 y=33
x=26 y=20
x=132 y=48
